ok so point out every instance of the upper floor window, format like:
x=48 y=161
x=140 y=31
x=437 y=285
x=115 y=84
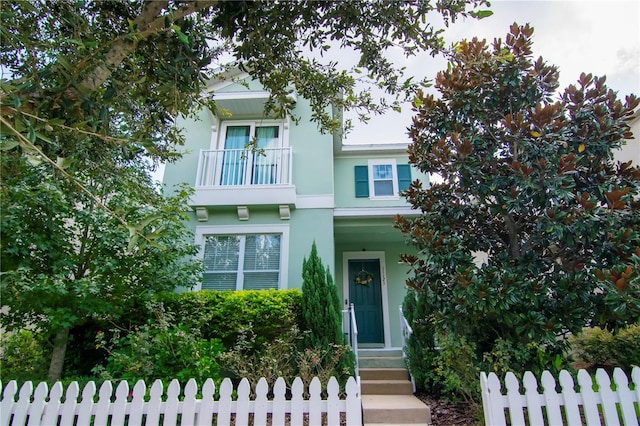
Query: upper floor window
x=238 y=136
x=381 y=179
x=259 y=165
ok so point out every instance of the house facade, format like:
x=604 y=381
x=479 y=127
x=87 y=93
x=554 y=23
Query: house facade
x=256 y=213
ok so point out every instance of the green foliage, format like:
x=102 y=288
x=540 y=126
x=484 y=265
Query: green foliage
x=529 y=183
x=320 y=305
x=126 y=70
x=593 y=345
x=420 y=347
x=601 y=347
x=160 y=349
x=457 y=367
x=269 y=359
x=23 y=356
x=283 y=357
x=626 y=346
x=65 y=262
x=223 y=314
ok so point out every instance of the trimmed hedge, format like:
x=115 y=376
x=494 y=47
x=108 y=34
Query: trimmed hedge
x=601 y=347
x=222 y=314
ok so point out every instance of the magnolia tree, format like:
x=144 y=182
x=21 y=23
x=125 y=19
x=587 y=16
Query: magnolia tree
x=534 y=230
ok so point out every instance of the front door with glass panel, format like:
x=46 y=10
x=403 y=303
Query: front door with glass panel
x=365 y=292
x=243 y=164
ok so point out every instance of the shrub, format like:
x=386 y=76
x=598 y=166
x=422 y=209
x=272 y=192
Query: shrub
x=223 y=314
x=23 y=356
x=593 y=345
x=320 y=304
x=420 y=347
x=457 y=366
x=626 y=347
x=270 y=359
x=160 y=350
x=282 y=357
x=321 y=315
x=601 y=347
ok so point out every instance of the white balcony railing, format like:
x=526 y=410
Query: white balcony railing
x=244 y=167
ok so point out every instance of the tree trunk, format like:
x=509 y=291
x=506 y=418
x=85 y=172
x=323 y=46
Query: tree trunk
x=514 y=242
x=60 y=341
x=150 y=20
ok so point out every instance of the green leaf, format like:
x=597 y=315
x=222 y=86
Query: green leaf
x=31 y=135
x=7 y=144
x=133 y=241
x=43 y=138
x=63 y=163
x=481 y=14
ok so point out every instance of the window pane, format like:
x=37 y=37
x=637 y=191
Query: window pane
x=382 y=171
x=383 y=187
x=260 y=280
x=221 y=253
x=233 y=160
x=258 y=266
x=267 y=136
x=219 y=281
x=262 y=252
x=237 y=137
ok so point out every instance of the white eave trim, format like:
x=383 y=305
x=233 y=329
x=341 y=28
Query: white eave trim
x=351 y=212
x=223 y=96
x=372 y=149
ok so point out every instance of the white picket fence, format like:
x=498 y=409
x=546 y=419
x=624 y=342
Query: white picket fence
x=180 y=406
x=614 y=404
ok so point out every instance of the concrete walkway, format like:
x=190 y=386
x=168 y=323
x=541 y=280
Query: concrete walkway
x=405 y=410
x=387 y=392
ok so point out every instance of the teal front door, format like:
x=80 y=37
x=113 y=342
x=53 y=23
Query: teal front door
x=365 y=292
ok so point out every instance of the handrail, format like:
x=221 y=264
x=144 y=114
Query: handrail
x=352 y=333
x=405 y=332
x=354 y=326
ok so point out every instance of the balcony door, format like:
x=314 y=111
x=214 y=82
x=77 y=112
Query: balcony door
x=250 y=154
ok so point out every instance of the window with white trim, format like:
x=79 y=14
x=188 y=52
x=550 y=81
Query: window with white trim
x=241 y=262
x=381 y=179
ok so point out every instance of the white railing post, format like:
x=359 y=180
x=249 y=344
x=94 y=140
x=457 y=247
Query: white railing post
x=354 y=337
x=405 y=332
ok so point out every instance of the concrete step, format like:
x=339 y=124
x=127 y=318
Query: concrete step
x=381 y=362
x=394 y=409
x=380 y=353
x=384 y=374
x=386 y=387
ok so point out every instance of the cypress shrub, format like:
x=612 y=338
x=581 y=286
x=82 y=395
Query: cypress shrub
x=320 y=304
x=321 y=315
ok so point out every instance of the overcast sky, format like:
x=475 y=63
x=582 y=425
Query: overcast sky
x=601 y=37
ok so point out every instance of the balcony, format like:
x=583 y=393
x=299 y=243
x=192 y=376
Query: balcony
x=244 y=177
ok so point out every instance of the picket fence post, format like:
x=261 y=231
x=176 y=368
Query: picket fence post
x=179 y=406
x=614 y=401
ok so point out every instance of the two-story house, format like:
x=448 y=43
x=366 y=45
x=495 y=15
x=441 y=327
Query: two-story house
x=257 y=212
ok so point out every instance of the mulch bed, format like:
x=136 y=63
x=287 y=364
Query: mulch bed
x=450 y=413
